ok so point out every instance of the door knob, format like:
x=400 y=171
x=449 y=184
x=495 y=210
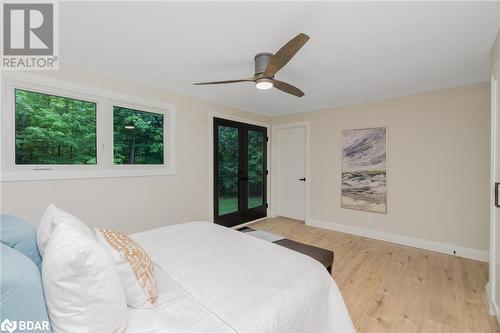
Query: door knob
x=302 y=179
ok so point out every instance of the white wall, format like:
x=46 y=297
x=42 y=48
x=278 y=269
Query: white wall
x=134 y=203
x=438 y=168
x=438 y=155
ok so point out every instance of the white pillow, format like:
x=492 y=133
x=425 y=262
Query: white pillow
x=82 y=288
x=51 y=218
x=134 y=266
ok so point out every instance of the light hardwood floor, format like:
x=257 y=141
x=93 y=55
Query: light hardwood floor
x=394 y=288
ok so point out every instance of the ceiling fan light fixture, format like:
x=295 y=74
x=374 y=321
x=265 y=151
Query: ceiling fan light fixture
x=264 y=83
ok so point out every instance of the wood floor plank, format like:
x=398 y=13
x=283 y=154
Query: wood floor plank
x=393 y=288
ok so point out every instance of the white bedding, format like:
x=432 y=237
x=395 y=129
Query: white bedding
x=177 y=311
x=228 y=281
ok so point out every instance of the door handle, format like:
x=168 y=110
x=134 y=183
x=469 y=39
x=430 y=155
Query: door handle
x=497 y=185
x=302 y=179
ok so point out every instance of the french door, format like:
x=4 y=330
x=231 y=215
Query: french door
x=240 y=175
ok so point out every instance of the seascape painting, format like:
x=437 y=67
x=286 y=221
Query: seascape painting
x=364 y=184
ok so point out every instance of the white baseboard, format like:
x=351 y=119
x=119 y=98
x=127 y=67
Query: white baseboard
x=493 y=308
x=248 y=223
x=451 y=249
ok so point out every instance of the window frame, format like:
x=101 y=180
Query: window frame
x=104 y=100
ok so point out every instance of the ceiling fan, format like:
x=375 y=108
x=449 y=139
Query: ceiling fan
x=268 y=64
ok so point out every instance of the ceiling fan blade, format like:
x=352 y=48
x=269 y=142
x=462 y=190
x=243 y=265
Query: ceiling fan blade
x=283 y=56
x=288 y=88
x=251 y=79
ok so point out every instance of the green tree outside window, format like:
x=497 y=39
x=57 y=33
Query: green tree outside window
x=54 y=130
x=137 y=136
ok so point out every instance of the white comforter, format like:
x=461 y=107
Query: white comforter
x=249 y=284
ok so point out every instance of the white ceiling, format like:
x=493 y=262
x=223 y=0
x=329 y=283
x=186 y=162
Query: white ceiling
x=358 y=52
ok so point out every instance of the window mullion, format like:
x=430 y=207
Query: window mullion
x=104 y=126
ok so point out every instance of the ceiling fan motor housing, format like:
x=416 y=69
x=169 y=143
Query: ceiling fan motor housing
x=261 y=61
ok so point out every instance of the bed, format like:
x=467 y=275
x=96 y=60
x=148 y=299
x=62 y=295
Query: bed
x=210 y=279
x=214 y=279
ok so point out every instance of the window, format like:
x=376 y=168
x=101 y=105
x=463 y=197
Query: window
x=137 y=136
x=58 y=130
x=54 y=130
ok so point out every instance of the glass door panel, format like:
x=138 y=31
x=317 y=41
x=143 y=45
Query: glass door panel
x=255 y=146
x=228 y=166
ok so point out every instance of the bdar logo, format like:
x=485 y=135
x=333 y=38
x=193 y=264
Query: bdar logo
x=24 y=325
x=9 y=326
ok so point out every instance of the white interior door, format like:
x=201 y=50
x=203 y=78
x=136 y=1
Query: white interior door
x=292 y=172
x=495 y=211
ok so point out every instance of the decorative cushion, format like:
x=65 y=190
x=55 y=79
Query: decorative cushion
x=82 y=287
x=134 y=266
x=54 y=216
x=21 y=291
x=21 y=236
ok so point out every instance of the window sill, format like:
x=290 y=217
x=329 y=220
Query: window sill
x=36 y=175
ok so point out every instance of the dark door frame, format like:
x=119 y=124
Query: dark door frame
x=243 y=214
